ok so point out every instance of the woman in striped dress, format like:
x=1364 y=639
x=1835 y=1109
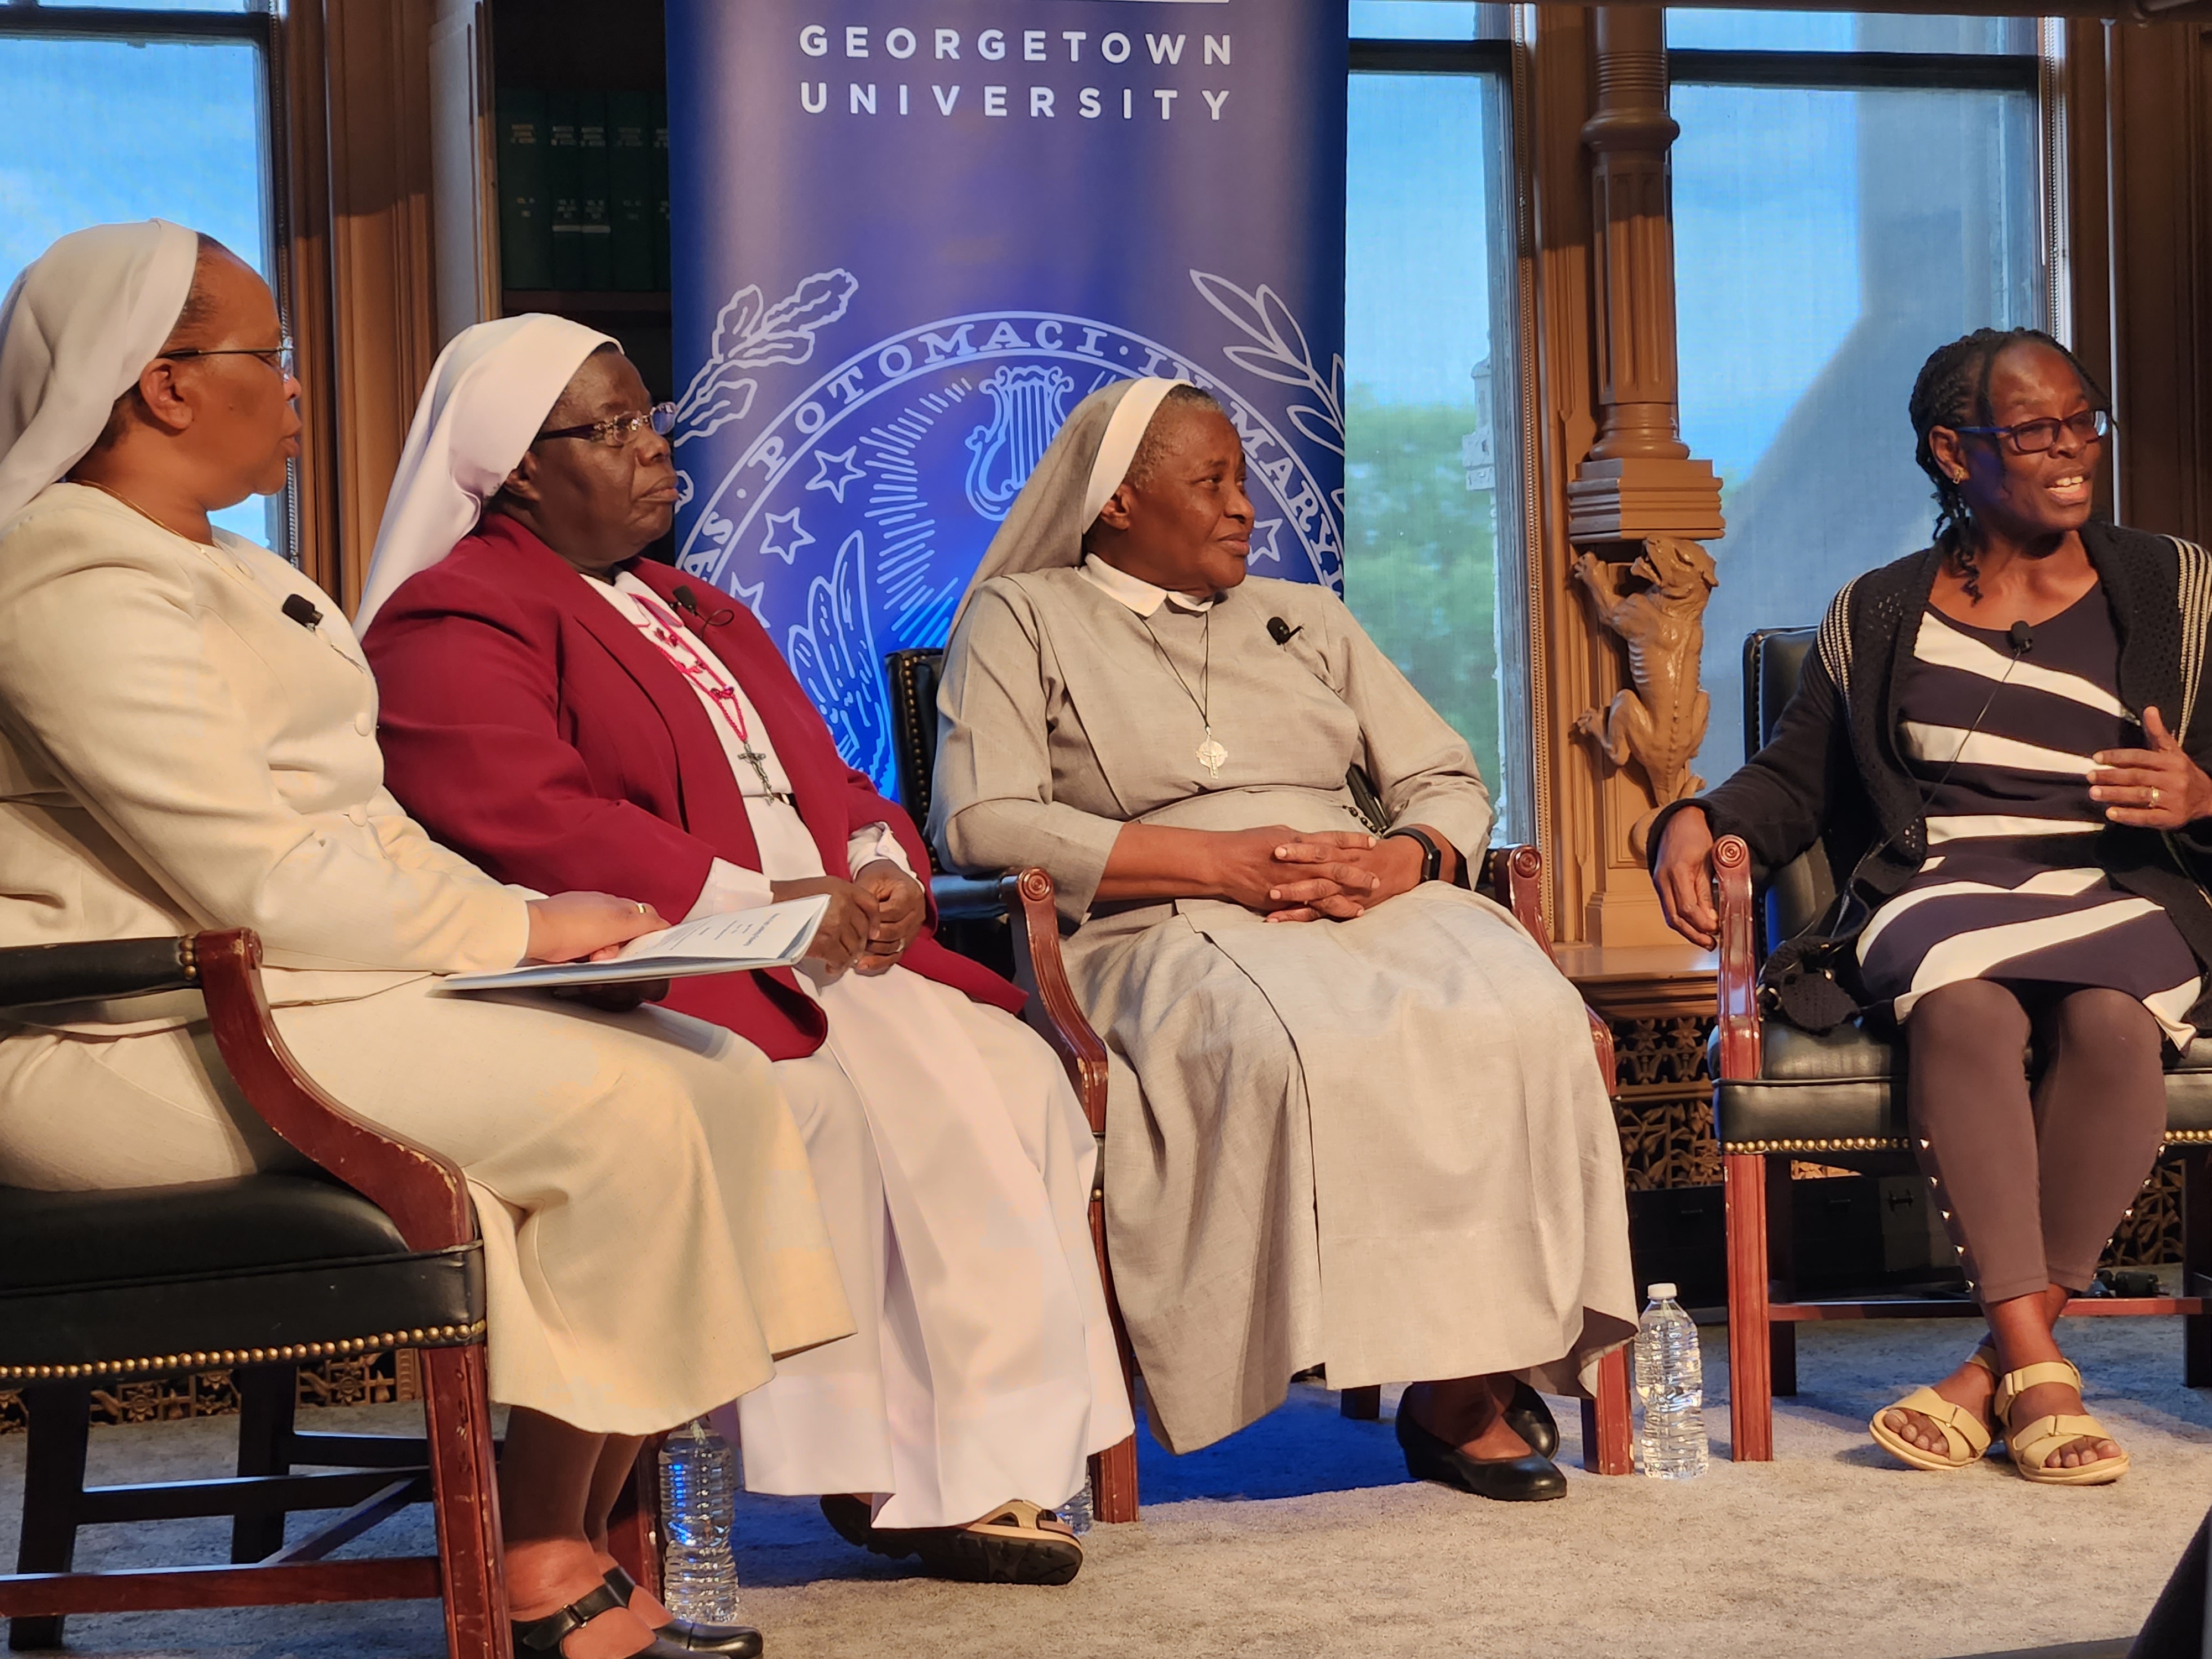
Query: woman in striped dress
x=1996 y=743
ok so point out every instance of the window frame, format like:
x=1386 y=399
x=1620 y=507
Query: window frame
x=1523 y=785
x=261 y=27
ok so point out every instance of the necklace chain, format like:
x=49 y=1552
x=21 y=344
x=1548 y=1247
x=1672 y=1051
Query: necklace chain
x=1210 y=754
x=117 y=495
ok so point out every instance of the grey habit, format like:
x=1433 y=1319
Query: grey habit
x=1383 y=1145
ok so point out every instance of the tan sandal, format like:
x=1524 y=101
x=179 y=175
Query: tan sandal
x=1965 y=1437
x=2031 y=1447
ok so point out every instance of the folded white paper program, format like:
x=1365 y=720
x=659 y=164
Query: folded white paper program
x=774 y=936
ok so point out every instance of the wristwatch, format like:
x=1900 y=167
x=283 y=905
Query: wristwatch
x=1432 y=856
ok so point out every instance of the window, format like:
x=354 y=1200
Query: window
x=115 y=120
x=1851 y=190
x=1433 y=563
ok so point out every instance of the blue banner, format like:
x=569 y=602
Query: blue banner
x=911 y=235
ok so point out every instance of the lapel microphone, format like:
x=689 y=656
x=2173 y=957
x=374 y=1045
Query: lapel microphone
x=301 y=610
x=1280 y=631
x=688 y=602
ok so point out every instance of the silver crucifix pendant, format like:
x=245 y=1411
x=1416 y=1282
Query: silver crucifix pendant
x=1212 y=754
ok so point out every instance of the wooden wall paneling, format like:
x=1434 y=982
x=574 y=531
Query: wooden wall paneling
x=384 y=331
x=2086 y=201
x=2158 y=103
x=1560 y=96
x=464 y=200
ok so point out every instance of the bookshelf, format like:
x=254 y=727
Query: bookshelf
x=599 y=67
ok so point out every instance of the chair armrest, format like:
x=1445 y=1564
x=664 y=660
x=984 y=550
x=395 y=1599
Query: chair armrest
x=967 y=898
x=1515 y=876
x=94 y=969
x=1026 y=896
x=424 y=1194
x=1737 y=986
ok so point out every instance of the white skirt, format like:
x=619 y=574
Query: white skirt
x=955 y=1166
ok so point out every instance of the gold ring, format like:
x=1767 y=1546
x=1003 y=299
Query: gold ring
x=644 y=909
x=2153 y=795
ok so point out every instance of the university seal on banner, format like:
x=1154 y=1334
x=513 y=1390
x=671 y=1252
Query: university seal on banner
x=878 y=486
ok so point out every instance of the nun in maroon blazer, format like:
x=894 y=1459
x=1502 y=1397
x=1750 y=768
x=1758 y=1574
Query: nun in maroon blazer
x=569 y=716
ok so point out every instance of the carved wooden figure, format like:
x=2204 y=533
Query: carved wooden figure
x=1655 y=604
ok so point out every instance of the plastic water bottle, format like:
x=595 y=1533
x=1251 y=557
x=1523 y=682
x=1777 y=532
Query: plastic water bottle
x=1670 y=1386
x=698 y=1501
x=1079 y=1511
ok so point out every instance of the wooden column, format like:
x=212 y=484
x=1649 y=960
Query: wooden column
x=1639 y=506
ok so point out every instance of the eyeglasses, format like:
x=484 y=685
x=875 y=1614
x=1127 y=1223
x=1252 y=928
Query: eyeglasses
x=281 y=358
x=619 y=432
x=2035 y=437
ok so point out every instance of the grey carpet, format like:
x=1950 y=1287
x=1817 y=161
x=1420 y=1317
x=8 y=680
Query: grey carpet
x=1303 y=1537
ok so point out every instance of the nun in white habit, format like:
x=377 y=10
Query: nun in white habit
x=186 y=742
x=1355 y=1119
x=562 y=713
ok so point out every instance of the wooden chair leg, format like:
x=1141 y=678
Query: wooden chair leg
x=456 y=1413
x=2196 y=1264
x=1750 y=1399
x=1608 y=1437
x=268 y=1397
x=60 y=1416
x=633 y=1529
x=1114 y=1471
x=1361 y=1405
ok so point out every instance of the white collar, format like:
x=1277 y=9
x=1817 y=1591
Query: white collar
x=1139 y=595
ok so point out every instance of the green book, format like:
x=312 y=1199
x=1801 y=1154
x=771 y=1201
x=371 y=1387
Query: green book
x=564 y=188
x=629 y=167
x=660 y=191
x=596 y=226
x=525 y=237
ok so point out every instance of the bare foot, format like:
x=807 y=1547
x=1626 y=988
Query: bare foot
x=1466 y=1413
x=1968 y=1387
x=644 y=1603
x=2057 y=1400
x=545 y=1575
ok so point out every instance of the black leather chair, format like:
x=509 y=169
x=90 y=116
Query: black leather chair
x=1514 y=877
x=1782 y=1093
x=377 y=1250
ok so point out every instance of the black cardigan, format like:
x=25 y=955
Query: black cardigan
x=1833 y=773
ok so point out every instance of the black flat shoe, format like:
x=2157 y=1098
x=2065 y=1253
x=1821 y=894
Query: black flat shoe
x=1528 y=1416
x=739 y=1641
x=542 y=1637
x=1529 y=1480
x=851 y=1518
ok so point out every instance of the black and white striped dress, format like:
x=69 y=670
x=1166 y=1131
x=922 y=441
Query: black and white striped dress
x=2011 y=889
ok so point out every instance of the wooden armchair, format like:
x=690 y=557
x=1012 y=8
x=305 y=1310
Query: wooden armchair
x=255 y=1274
x=1781 y=1093
x=1514 y=876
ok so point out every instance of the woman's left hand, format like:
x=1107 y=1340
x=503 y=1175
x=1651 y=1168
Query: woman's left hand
x=2155 y=788
x=902 y=906
x=1394 y=861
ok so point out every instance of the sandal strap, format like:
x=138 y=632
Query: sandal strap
x=620 y=1582
x=1985 y=1359
x=2041 y=1440
x=2012 y=1384
x=545 y=1635
x=1019 y=1515
x=1960 y=1427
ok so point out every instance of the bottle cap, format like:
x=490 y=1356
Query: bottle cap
x=1661 y=1291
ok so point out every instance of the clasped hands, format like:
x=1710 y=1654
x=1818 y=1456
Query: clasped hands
x=1305 y=875
x=871 y=920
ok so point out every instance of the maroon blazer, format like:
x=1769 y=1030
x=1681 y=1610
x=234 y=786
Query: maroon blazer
x=530 y=727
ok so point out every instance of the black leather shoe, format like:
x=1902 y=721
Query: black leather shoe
x=740 y=1641
x=1528 y=1416
x=852 y=1519
x=1529 y=1479
x=540 y=1639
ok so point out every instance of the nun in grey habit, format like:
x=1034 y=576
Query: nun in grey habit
x=1368 y=1132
